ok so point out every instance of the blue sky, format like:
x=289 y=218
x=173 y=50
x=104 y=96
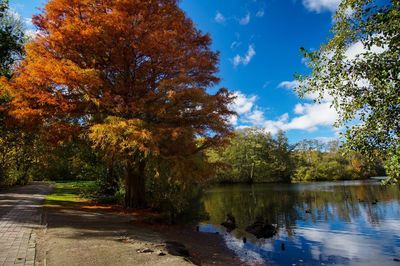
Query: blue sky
x=259 y=42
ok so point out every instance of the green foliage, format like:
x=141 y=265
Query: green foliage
x=25 y=157
x=253 y=156
x=15 y=158
x=316 y=161
x=12 y=39
x=393 y=165
x=323 y=171
x=3 y=7
x=256 y=156
x=365 y=86
x=73 y=160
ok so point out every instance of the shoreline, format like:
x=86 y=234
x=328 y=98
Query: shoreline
x=204 y=248
x=89 y=234
x=292 y=182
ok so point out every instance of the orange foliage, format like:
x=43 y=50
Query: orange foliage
x=132 y=59
x=132 y=73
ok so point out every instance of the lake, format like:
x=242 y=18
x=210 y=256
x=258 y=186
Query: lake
x=340 y=223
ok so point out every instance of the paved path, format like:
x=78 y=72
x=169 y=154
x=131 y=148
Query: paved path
x=20 y=213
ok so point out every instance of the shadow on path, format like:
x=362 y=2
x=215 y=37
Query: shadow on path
x=85 y=237
x=20 y=213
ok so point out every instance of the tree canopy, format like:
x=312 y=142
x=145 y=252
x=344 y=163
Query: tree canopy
x=12 y=39
x=359 y=68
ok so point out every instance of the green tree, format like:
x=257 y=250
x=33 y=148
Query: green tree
x=254 y=156
x=14 y=145
x=12 y=39
x=318 y=161
x=365 y=84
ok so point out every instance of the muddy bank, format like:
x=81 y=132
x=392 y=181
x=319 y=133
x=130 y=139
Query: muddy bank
x=107 y=236
x=204 y=248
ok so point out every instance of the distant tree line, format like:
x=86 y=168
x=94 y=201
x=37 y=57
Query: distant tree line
x=256 y=156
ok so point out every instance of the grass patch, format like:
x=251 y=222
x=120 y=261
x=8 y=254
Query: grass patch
x=70 y=193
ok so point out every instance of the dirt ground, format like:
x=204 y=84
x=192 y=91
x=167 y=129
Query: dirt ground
x=77 y=236
x=205 y=249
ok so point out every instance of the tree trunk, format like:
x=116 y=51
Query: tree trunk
x=135 y=190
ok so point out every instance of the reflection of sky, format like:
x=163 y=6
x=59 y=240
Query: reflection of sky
x=372 y=237
x=360 y=241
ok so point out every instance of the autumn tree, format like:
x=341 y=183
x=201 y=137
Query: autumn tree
x=132 y=74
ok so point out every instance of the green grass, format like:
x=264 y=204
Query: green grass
x=70 y=193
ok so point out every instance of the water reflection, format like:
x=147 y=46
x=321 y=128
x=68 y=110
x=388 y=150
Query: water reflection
x=347 y=223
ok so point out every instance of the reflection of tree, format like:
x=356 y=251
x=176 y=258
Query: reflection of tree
x=246 y=205
x=285 y=205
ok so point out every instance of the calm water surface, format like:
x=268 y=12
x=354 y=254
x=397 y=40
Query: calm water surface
x=351 y=223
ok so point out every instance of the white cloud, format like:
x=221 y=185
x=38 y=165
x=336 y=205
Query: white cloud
x=256 y=117
x=308 y=117
x=243 y=104
x=246 y=59
x=245 y=20
x=358 y=48
x=233 y=119
x=312 y=116
x=260 y=13
x=319 y=6
x=273 y=126
x=289 y=84
x=294 y=84
x=299 y=109
x=219 y=18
